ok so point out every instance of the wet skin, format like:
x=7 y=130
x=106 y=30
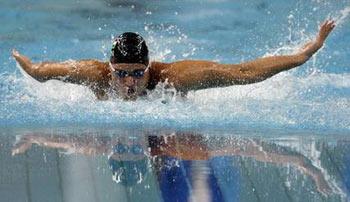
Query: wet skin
x=184 y=75
x=129 y=86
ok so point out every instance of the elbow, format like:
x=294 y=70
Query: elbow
x=38 y=75
x=301 y=59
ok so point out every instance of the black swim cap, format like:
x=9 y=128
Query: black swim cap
x=129 y=47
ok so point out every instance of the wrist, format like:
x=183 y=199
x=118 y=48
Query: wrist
x=312 y=48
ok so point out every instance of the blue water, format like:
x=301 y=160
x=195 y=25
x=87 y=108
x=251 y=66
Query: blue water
x=313 y=97
x=102 y=165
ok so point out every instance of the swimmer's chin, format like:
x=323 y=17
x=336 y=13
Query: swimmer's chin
x=130 y=97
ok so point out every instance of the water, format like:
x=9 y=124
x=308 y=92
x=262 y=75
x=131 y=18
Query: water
x=311 y=101
x=61 y=164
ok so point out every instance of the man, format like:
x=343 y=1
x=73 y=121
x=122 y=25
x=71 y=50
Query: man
x=129 y=73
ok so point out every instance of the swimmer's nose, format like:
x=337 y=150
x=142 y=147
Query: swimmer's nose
x=129 y=81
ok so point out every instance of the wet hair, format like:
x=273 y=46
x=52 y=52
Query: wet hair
x=129 y=47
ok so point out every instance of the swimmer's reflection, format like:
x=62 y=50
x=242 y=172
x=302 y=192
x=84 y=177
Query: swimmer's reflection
x=130 y=158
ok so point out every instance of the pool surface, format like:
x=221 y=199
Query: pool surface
x=165 y=165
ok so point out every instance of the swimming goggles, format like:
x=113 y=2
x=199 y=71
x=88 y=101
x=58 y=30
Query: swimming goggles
x=138 y=73
x=122 y=149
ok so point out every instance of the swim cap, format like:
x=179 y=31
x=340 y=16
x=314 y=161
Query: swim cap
x=129 y=47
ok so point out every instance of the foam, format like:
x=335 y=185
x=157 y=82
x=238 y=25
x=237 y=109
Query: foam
x=276 y=101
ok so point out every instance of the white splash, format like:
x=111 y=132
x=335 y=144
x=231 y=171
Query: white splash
x=343 y=14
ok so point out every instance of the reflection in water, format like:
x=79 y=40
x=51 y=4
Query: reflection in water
x=195 y=167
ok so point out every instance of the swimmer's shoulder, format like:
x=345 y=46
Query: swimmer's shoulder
x=159 y=66
x=93 y=63
x=161 y=70
x=95 y=70
x=156 y=69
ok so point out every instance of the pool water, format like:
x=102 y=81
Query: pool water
x=164 y=165
x=298 y=119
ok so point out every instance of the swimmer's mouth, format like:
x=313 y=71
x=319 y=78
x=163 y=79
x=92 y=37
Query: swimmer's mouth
x=130 y=94
x=131 y=91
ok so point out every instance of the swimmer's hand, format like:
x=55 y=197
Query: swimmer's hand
x=22 y=60
x=325 y=29
x=22 y=144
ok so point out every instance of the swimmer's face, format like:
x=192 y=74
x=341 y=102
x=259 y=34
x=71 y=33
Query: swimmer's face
x=129 y=79
x=129 y=149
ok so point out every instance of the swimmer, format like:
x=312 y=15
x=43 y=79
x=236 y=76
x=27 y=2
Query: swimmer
x=129 y=73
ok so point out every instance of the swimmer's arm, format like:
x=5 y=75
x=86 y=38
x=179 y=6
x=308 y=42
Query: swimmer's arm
x=194 y=75
x=263 y=68
x=86 y=145
x=253 y=150
x=87 y=72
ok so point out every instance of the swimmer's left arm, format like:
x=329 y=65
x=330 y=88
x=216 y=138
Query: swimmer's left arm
x=254 y=150
x=263 y=68
x=194 y=75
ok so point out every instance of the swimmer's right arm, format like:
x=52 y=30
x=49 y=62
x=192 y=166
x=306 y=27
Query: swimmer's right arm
x=80 y=72
x=87 y=145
